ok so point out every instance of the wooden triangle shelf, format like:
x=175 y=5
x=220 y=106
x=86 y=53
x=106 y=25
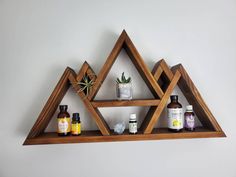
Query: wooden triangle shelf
x=161 y=81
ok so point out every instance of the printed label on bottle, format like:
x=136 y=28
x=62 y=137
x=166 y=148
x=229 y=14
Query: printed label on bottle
x=175 y=118
x=75 y=129
x=189 y=121
x=63 y=125
x=133 y=127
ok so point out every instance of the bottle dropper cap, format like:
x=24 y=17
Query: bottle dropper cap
x=174 y=97
x=132 y=116
x=63 y=107
x=76 y=117
x=189 y=108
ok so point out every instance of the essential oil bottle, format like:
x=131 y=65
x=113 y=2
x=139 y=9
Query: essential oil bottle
x=75 y=124
x=133 y=128
x=63 y=121
x=175 y=114
x=189 y=118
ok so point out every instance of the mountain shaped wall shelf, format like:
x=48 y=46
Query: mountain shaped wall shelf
x=161 y=81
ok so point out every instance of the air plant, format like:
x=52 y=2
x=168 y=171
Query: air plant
x=123 y=79
x=86 y=84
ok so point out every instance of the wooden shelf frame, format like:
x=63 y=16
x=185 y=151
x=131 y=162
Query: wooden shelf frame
x=161 y=81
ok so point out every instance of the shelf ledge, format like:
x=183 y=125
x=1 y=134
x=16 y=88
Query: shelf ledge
x=120 y=103
x=96 y=136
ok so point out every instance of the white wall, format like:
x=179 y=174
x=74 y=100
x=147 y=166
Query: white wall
x=38 y=39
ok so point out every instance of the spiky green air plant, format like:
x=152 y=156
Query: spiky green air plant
x=123 y=79
x=86 y=85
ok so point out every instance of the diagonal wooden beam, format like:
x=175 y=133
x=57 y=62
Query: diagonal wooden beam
x=51 y=105
x=149 y=122
x=194 y=98
x=94 y=112
x=142 y=68
x=108 y=64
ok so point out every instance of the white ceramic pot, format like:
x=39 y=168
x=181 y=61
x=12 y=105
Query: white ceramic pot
x=124 y=91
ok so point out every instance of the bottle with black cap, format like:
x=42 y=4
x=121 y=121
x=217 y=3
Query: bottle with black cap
x=175 y=114
x=133 y=124
x=75 y=125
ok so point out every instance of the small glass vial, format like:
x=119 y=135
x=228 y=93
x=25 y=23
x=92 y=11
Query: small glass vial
x=75 y=125
x=63 y=121
x=175 y=114
x=133 y=128
x=189 y=118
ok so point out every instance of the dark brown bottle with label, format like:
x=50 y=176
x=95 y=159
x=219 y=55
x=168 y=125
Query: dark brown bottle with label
x=63 y=121
x=175 y=114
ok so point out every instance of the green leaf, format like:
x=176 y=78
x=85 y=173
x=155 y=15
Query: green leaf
x=128 y=80
x=118 y=80
x=123 y=77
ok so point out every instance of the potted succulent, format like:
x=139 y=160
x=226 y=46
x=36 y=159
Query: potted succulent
x=124 y=88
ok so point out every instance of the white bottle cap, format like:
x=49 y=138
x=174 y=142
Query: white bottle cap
x=189 y=108
x=132 y=116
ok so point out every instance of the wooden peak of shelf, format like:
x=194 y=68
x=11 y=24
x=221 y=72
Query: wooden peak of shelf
x=161 y=81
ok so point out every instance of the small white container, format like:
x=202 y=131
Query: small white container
x=124 y=91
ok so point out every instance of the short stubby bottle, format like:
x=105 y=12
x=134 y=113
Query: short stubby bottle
x=133 y=128
x=189 y=118
x=75 y=125
x=175 y=114
x=63 y=121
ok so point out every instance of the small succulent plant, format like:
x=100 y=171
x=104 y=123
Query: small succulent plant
x=123 y=79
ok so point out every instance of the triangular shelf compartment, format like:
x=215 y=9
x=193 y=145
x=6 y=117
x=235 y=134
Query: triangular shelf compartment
x=161 y=82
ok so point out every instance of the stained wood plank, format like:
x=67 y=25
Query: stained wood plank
x=96 y=136
x=166 y=69
x=157 y=71
x=117 y=103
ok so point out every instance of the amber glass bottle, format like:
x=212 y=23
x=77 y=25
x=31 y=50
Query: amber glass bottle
x=175 y=114
x=63 y=121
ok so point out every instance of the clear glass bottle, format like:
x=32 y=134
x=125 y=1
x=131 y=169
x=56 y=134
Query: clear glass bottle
x=175 y=114
x=63 y=121
x=133 y=128
x=189 y=118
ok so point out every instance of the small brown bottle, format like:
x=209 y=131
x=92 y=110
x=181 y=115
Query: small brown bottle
x=175 y=114
x=75 y=125
x=63 y=121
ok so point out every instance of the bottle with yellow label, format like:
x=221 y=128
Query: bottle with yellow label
x=63 y=121
x=75 y=126
x=175 y=114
